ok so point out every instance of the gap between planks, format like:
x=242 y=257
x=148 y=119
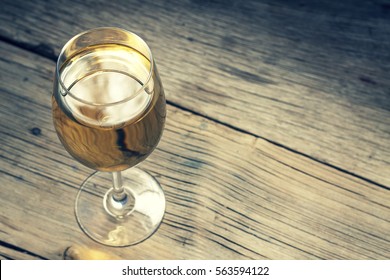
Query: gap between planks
x=12 y=252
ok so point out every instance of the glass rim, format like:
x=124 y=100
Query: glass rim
x=71 y=40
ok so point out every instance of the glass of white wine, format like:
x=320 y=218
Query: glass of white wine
x=109 y=112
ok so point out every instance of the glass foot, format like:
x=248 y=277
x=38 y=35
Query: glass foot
x=100 y=216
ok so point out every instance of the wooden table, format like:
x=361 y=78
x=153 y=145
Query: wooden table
x=277 y=142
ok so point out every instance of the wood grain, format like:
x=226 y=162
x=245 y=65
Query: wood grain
x=310 y=76
x=230 y=195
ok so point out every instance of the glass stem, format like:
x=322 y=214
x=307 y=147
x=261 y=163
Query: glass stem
x=119 y=193
x=118 y=200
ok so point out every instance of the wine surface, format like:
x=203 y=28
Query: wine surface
x=109 y=114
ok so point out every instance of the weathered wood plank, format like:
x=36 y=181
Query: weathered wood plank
x=312 y=76
x=230 y=195
x=9 y=252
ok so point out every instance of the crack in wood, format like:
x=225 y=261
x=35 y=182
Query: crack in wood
x=20 y=250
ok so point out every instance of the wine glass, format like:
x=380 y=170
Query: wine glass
x=109 y=112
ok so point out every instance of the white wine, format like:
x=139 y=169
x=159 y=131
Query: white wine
x=109 y=111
